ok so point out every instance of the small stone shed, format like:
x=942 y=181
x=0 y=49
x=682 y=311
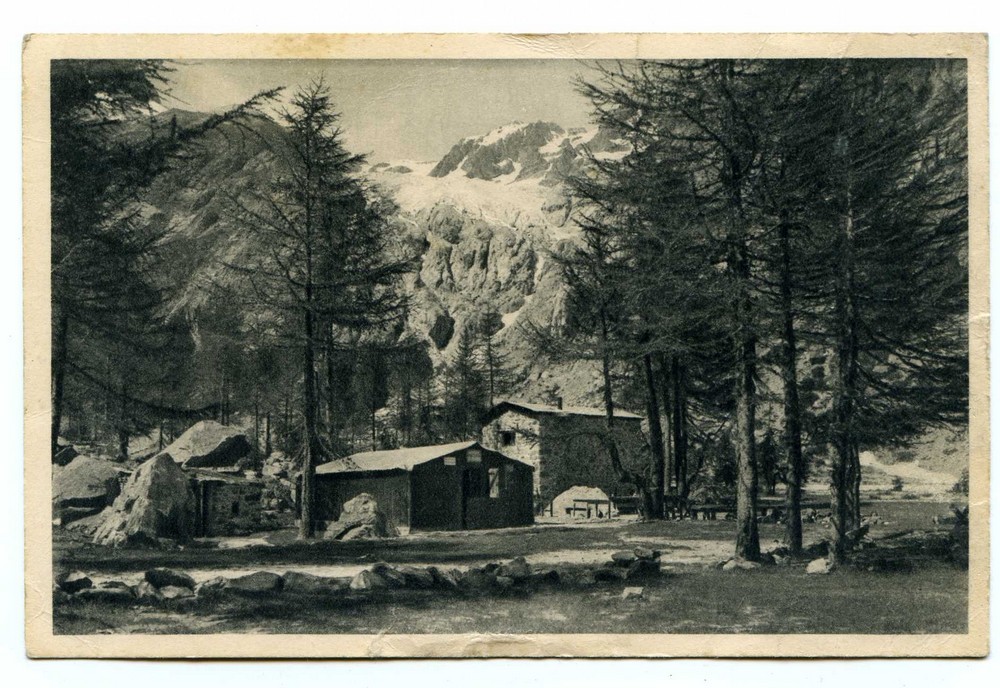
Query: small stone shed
x=227 y=503
x=564 y=445
x=461 y=486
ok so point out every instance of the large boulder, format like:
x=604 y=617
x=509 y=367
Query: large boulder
x=368 y=580
x=163 y=577
x=74 y=581
x=156 y=502
x=360 y=518
x=208 y=444
x=258 y=583
x=64 y=454
x=307 y=583
x=84 y=487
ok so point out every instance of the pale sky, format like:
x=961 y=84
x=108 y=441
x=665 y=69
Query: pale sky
x=401 y=109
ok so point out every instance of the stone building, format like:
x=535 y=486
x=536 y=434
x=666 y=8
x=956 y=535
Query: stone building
x=565 y=445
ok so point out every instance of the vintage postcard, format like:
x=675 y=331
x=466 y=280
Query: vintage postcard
x=501 y=345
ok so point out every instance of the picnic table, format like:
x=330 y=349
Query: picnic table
x=626 y=504
x=765 y=506
x=592 y=506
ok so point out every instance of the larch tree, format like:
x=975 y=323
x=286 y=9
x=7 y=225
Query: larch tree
x=495 y=361
x=322 y=257
x=464 y=387
x=107 y=147
x=895 y=209
x=693 y=122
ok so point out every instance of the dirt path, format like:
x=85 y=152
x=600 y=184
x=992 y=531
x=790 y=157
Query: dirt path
x=705 y=552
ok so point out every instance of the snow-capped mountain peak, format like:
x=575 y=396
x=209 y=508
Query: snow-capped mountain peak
x=518 y=151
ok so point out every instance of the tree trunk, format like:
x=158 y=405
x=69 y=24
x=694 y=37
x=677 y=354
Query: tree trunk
x=123 y=431
x=845 y=474
x=331 y=386
x=306 y=525
x=747 y=538
x=222 y=399
x=668 y=414
x=854 y=494
x=406 y=403
x=679 y=430
x=59 y=347
x=267 y=435
x=610 y=441
x=287 y=425
x=745 y=341
x=793 y=420
x=655 y=438
x=256 y=422
x=489 y=363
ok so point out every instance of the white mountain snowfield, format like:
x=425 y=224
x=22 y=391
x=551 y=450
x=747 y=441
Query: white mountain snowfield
x=489 y=241
x=500 y=200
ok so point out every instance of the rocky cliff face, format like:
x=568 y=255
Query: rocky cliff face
x=490 y=216
x=485 y=220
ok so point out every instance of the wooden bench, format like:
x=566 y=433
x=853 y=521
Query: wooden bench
x=590 y=506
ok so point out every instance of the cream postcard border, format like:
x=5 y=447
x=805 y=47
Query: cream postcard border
x=40 y=49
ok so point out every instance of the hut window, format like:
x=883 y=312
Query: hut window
x=507 y=438
x=473 y=456
x=494 y=483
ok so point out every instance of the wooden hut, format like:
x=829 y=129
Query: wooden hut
x=461 y=486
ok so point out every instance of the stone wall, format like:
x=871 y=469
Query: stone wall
x=230 y=507
x=566 y=450
x=517 y=436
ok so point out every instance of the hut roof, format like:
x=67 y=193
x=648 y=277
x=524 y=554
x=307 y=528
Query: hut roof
x=208 y=475
x=398 y=459
x=529 y=408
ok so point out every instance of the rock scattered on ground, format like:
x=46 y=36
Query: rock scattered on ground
x=103 y=594
x=156 y=502
x=307 y=583
x=214 y=587
x=360 y=518
x=74 y=582
x=738 y=564
x=64 y=455
x=368 y=580
x=163 y=577
x=261 y=582
x=819 y=566
x=146 y=591
x=83 y=488
x=162 y=584
x=175 y=592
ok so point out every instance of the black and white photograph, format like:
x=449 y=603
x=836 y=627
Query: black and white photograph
x=664 y=346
